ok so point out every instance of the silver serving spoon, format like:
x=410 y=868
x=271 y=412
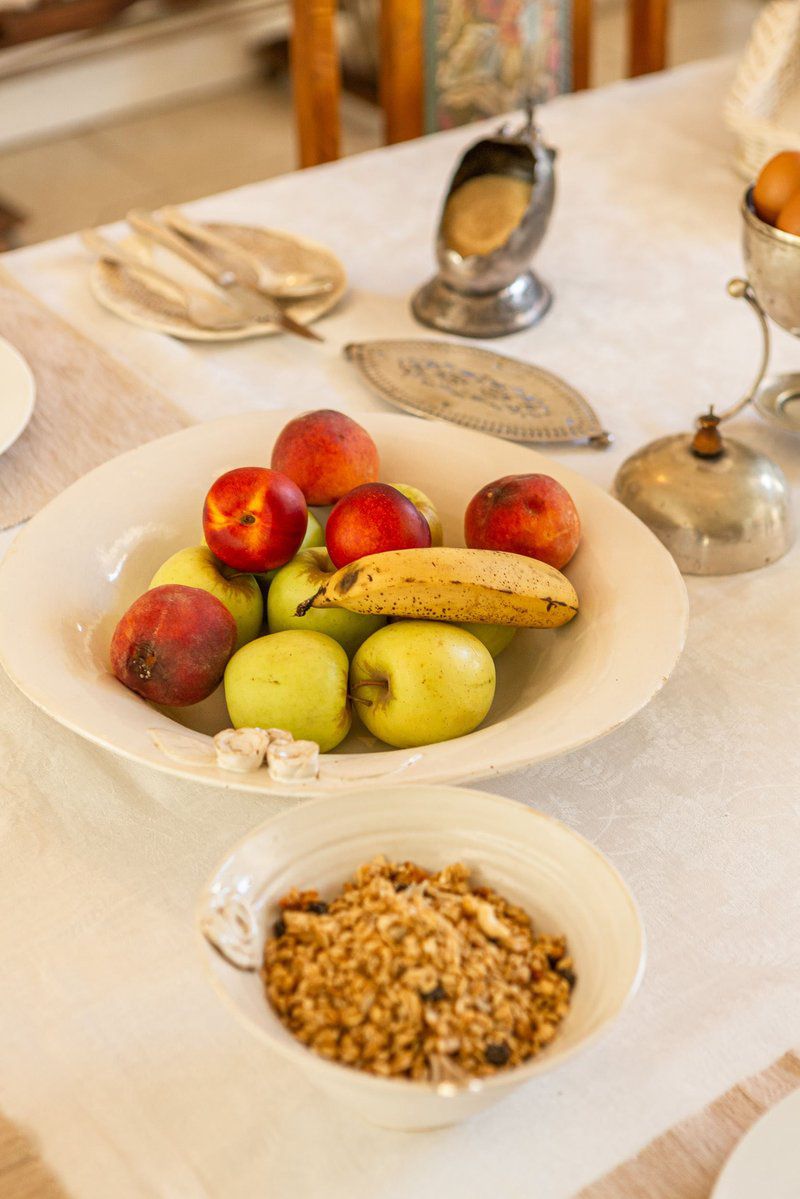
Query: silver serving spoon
x=293 y=285
x=202 y=310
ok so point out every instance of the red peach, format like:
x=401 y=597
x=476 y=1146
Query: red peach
x=524 y=514
x=371 y=520
x=173 y=644
x=327 y=454
x=254 y=519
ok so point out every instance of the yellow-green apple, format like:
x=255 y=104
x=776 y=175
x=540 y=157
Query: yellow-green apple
x=239 y=592
x=426 y=507
x=293 y=680
x=496 y=637
x=372 y=519
x=172 y=645
x=524 y=514
x=418 y=681
x=314 y=536
x=254 y=519
x=303 y=577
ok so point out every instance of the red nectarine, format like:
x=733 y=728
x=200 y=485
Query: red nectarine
x=254 y=519
x=327 y=454
x=173 y=644
x=524 y=514
x=372 y=519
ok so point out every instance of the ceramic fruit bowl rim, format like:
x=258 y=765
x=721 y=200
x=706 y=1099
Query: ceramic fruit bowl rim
x=614 y=666
x=293 y=1049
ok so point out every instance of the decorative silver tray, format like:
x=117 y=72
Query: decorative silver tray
x=478 y=389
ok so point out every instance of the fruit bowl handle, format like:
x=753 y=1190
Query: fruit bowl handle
x=230 y=925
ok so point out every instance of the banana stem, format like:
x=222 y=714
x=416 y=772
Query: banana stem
x=301 y=609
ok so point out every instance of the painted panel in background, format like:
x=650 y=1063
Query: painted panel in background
x=483 y=56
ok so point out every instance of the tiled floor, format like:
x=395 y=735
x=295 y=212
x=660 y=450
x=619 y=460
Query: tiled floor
x=198 y=148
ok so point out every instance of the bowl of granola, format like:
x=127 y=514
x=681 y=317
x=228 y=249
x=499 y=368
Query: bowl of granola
x=421 y=951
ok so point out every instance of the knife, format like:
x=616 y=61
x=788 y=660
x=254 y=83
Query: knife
x=251 y=302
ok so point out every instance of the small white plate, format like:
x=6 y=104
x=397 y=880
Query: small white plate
x=116 y=290
x=17 y=394
x=767 y=1160
x=557 y=689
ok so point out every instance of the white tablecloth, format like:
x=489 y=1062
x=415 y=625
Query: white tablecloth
x=113 y=1049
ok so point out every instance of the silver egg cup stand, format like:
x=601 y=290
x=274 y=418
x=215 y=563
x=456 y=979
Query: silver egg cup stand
x=772 y=259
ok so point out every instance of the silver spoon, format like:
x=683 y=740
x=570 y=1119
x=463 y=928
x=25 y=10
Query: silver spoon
x=204 y=311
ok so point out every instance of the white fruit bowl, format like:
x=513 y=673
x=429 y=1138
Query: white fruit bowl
x=564 y=884
x=104 y=537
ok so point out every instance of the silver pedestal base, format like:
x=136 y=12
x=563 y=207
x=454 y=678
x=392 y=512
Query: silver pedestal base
x=778 y=399
x=487 y=314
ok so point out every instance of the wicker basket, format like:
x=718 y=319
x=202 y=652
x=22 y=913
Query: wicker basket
x=763 y=108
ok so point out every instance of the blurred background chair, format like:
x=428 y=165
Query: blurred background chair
x=441 y=63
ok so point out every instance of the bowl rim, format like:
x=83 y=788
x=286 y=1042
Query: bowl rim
x=293 y=1049
x=752 y=219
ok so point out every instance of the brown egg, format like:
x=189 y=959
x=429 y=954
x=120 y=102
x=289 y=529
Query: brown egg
x=789 y=216
x=777 y=183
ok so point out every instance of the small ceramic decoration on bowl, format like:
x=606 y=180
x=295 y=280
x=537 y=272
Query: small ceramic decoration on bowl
x=556 y=688
x=562 y=882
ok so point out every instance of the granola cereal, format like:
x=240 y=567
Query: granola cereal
x=416 y=975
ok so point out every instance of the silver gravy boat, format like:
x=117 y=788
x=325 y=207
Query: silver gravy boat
x=489 y=295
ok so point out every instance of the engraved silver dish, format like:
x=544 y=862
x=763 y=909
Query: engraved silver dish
x=490 y=295
x=469 y=386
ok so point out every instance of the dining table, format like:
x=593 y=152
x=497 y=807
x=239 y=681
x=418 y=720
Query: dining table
x=115 y=1054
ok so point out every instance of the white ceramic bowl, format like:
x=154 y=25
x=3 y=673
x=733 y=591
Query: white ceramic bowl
x=565 y=884
x=105 y=536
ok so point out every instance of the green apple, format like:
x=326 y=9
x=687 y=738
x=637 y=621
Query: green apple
x=314 y=536
x=418 y=681
x=299 y=579
x=496 y=637
x=425 y=506
x=240 y=593
x=294 y=680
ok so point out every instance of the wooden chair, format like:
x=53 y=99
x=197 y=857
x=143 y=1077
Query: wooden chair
x=317 y=76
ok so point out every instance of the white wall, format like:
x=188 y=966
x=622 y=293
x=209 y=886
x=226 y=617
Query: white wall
x=83 y=81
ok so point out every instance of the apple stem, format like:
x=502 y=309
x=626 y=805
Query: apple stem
x=367 y=683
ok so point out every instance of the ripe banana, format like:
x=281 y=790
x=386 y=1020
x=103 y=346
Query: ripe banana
x=447 y=583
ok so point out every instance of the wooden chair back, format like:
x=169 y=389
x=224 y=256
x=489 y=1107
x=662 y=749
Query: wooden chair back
x=316 y=72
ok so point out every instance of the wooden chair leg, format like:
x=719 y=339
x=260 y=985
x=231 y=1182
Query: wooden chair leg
x=581 y=44
x=316 y=81
x=647 y=36
x=402 y=68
